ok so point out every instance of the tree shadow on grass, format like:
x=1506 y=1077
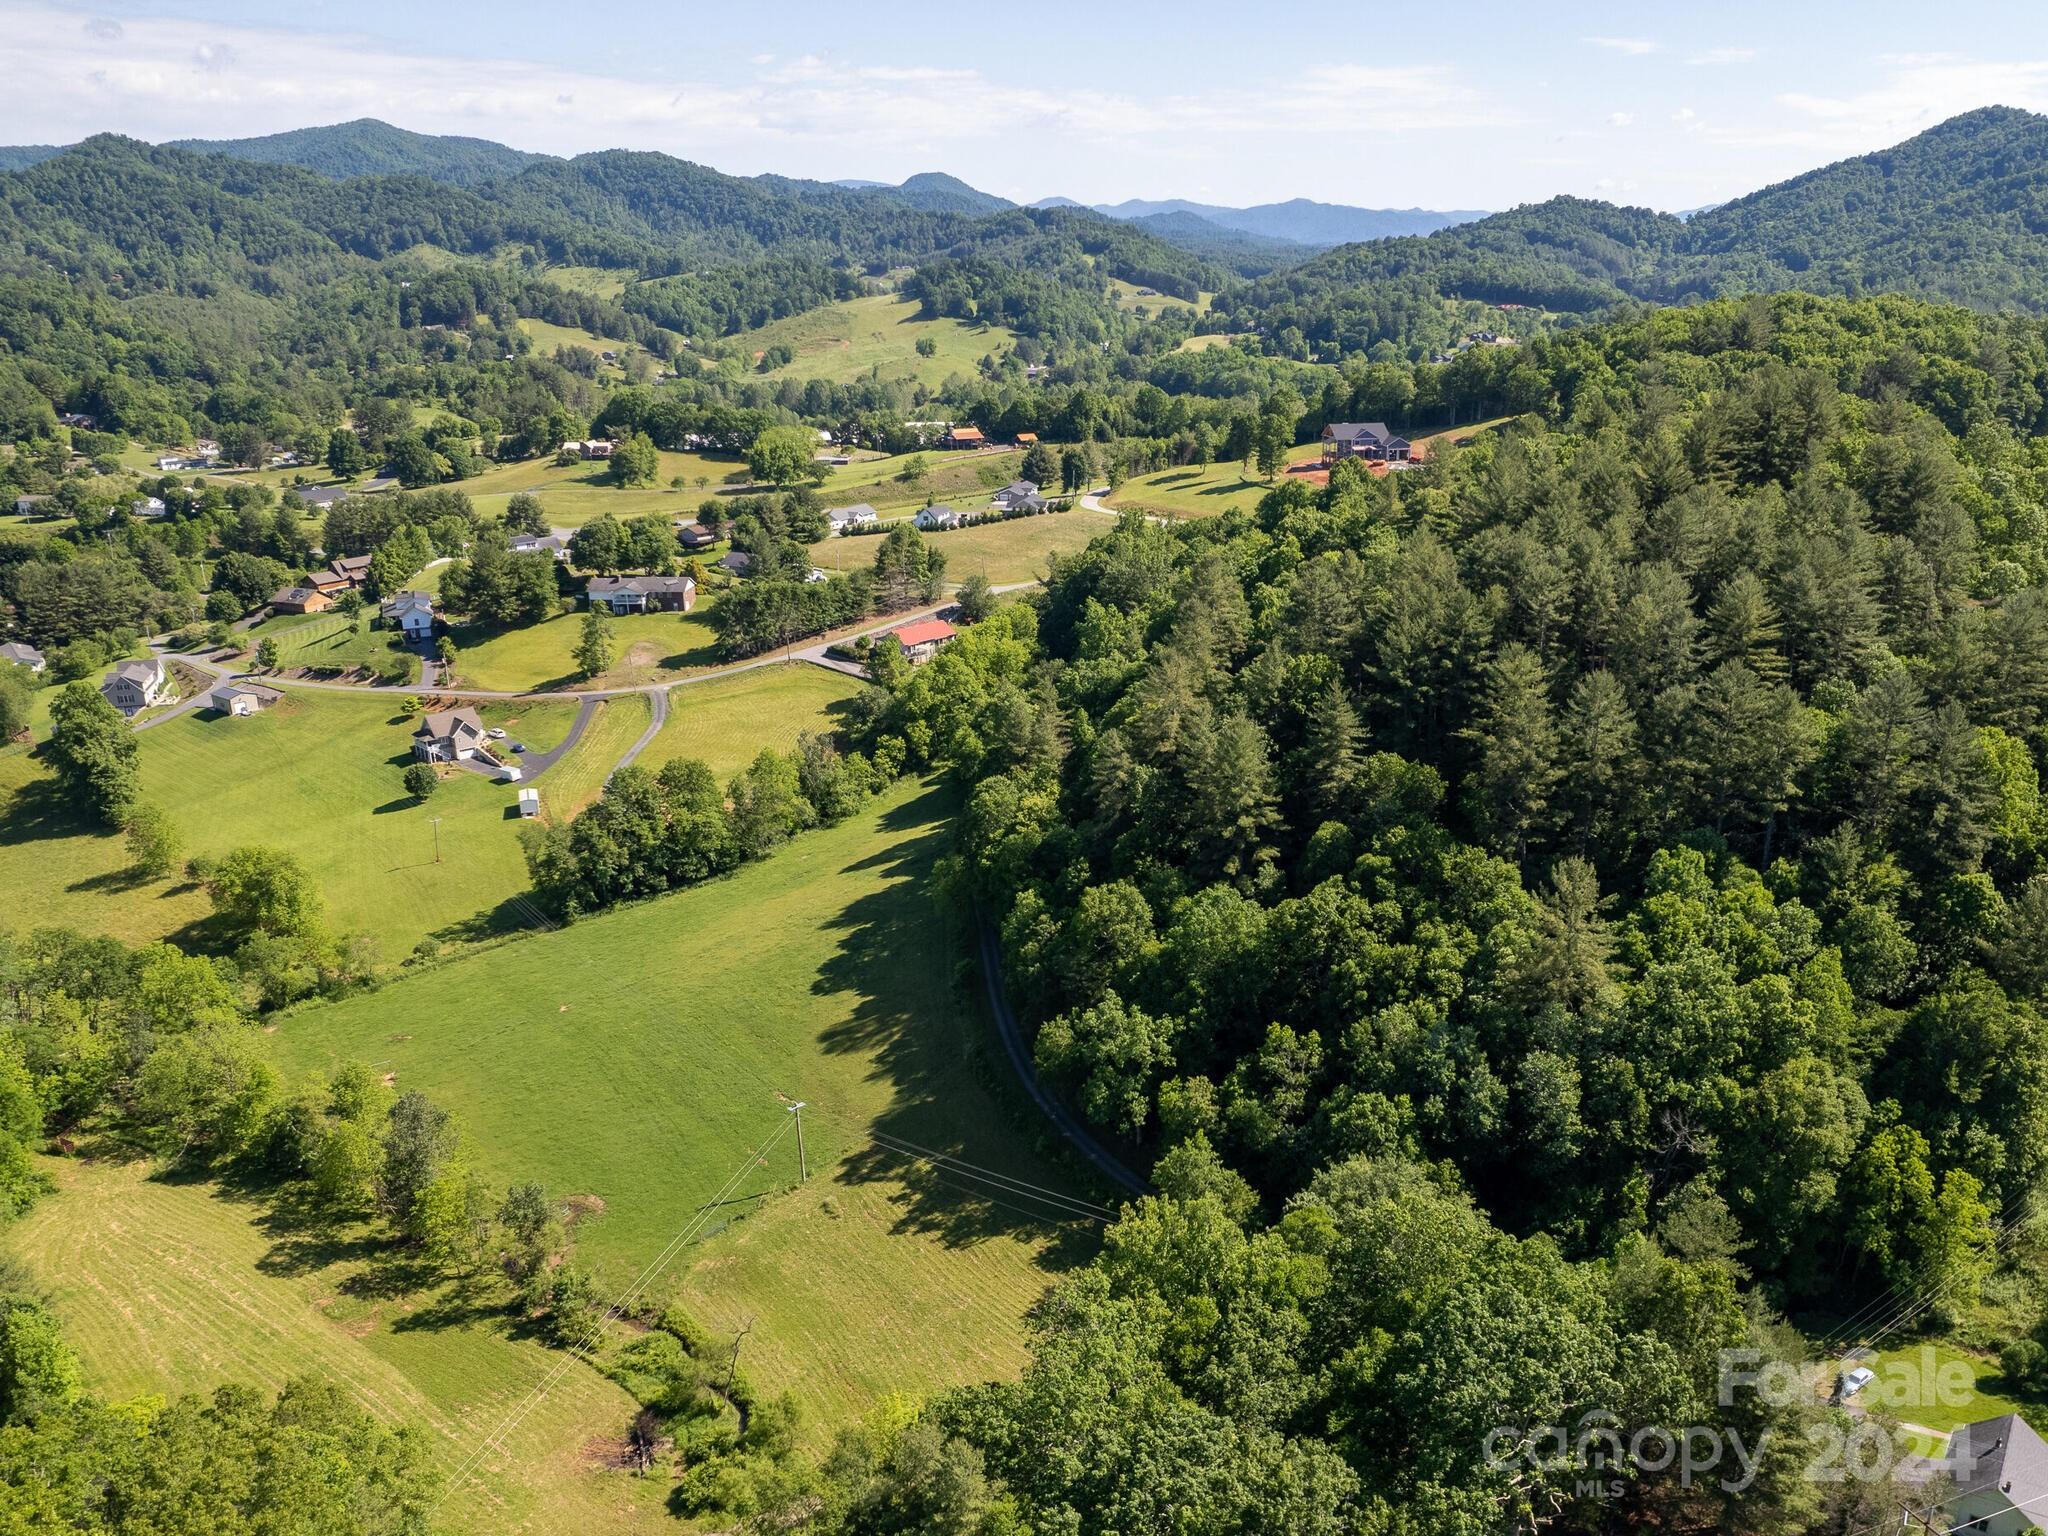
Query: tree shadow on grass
x=894 y=970
x=112 y=882
x=38 y=812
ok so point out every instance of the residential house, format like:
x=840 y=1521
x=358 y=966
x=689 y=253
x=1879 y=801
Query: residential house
x=147 y=506
x=449 y=736
x=695 y=536
x=411 y=613
x=353 y=569
x=135 y=685
x=206 y=447
x=940 y=516
x=859 y=515
x=1020 y=496
x=737 y=562
x=921 y=638
x=30 y=506
x=815 y=574
x=318 y=497
x=642 y=594
x=589 y=447
x=242 y=698
x=16 y=653
x=328 y=581
x=963 y=437
x=1364 y=440
x=554 y=544
x=300 y=600
x=2000 y=1467
x=78 y=419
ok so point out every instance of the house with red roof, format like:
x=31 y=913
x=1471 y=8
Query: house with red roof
x=921 y=638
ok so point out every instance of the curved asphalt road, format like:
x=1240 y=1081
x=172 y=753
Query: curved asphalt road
x=1020 y=1060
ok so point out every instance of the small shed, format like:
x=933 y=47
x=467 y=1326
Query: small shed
x=529 y=802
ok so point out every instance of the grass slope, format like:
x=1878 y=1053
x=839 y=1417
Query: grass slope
x=167 y=1285
x=877 y=335
x=641 y=1056
x=317 y=774
x=576 y=780
x=650 y=646
x=727 y=721
x=1018 y=550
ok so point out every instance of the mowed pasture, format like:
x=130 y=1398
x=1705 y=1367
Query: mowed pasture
x=876 y=335
x=724 y=722
x=1201 y=490
x=646 y=1057
x=573 y=494
x=648 y=648
x=1020 y=549
x=170 y=1285
x=578 y=778
x=317 y=774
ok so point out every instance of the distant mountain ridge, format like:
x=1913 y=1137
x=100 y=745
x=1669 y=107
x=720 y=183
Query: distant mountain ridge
x=369 y=147
x=1300 y=220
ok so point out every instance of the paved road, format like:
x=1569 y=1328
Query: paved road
x=533 y=764
x=1020 y=1061
x=191 y=702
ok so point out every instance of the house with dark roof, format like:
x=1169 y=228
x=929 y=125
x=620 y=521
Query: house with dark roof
x=1020 y=496
x=1364 y=440
x=921 y=638
x=551 y=543
x=135 y=685
x=449 y=736
x=318 y=496
x=859 y=515
x=2000 y=1467
x=736 y=561
x=17 y=653
x=411 y=613
x=695 y=536
x=642 y=594
x=300 y=600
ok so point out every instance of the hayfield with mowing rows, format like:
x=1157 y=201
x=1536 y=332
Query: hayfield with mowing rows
x=725 y=721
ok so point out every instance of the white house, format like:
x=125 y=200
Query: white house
x=2000 y=1467
x=19 y=654
x=449 y=736
x=556 y=544
x=135 y=685
x=148 y=506
x=859 y=515
x=940 y=516
x=412 y=613
x=242 y=698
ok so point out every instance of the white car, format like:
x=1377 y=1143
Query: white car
x=496 y=733
x=1853 y=1381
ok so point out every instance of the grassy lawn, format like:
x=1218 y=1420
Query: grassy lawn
x=1016 y=550
x=573 y=494
x=547 y=336
x=539 y=723
x=1941 y=1386
x=317 y=774
x=1128 y=297
x=1201 y=490
x=333 y=643
x=650 y=646
x=1205 y=342
x=575 y=781
x=847 y=341
x=727 y=721
x=168 y=1285
x=642 y=1057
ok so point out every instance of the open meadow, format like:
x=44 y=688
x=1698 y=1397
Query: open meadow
x=642 y=1056
x=725 y=721
x=648 y=648
x=1017 y=550
x=873 y=336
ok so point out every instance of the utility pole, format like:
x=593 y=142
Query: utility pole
x=437 y=837
x=802 y=1164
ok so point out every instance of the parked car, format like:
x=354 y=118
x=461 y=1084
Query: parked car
x=518 y=746
x=496 y=733
x=1853 y=1381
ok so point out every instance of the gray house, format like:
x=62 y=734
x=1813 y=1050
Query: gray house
x=642 y=594
x=135 y=685
x=2000 y=1468
x=1364 y=440
x=859 y=515
x=448 y=736
x=1020 y=496
x=18 y=654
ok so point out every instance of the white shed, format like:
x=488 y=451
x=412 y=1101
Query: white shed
x=529 y=802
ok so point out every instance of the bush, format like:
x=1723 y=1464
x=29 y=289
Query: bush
x=421 y=780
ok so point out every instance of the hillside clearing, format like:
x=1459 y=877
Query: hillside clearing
x=724 y=723
x=842 y=342
x=649 y=647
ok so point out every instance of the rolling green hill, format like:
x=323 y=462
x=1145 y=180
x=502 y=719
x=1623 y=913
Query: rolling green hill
x=367 y=147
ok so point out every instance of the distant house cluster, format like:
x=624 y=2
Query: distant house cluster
x=1364 y=440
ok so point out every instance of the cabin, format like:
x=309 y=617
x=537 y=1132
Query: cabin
x=16 y=653
x=449 y=736
x=939 y=516
x=1364 y=440
x=300 y=600
x=642 y=594
x=963 y=437
x=242 y=698
x=410 y=613
x=353 y=569
x=922 y=638
x=135 y=685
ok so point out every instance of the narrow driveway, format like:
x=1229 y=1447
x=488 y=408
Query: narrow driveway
x=660 y=703
x=533 y=764
x=1020 y=1061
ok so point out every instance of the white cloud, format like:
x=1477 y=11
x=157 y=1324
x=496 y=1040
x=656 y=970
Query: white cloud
x=1916 y=97
x=1620 y=119
x=105 y=28
x=1723 y=56
x=1633 y=46
x=1687 y=119
x=213 y=58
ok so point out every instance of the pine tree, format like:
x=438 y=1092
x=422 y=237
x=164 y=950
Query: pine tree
x=1331 y=754
x=1509 y=788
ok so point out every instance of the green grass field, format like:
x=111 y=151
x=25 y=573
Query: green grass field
x=725 y=722
x=875 y=335
x=547 y=337
x=1016 y=550
x=333 y=643
x=573 y=494
x=170 y=1285
x=650 y=646
x=642 y=1057
x=317 y=774
x=575 y=781
x=1200 y=490
x=1128 y=297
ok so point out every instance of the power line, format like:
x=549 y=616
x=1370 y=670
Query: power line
x=1021 y=1187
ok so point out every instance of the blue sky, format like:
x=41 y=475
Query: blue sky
x=1666 y=105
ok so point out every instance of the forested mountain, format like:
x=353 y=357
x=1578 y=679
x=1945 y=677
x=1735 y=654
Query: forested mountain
x=368 y=147
x=1301 y=220
x=1246 y=254
x=1959 y=212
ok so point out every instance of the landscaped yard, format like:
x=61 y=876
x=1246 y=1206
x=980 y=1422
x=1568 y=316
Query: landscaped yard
x=846 y=341
x=335 y=643
x=317 y=774
x=170 y=1285
x=650 y=646
x=726 y=721
x=642 y=1056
